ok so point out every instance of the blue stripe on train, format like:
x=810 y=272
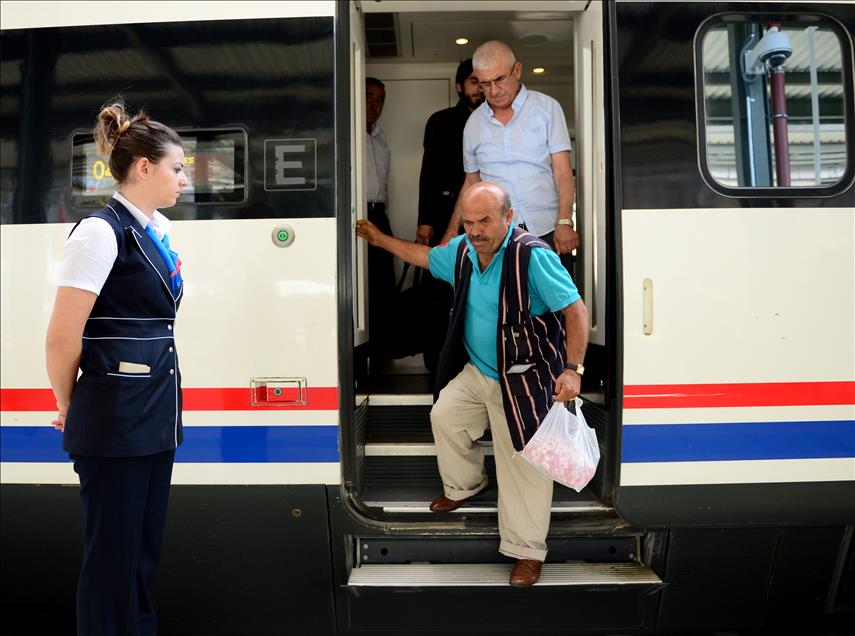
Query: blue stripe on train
x=641 y=442
x=735 y=441
x=253 y=444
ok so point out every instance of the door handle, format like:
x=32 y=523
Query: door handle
x=647 y=318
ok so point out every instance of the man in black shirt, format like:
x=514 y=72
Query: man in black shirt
x=439 y=184
x=442 y=165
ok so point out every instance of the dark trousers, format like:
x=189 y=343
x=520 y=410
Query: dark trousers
x=381 y=279
x=124 y=512
x=568 y=260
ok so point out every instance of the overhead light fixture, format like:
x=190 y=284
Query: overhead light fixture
x=538 y=70
x=461 y=41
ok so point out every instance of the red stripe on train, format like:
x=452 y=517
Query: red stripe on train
x=195 y=399
x=641 y=396
x=681 y=396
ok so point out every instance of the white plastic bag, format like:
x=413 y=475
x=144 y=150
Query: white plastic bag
x=564 y=447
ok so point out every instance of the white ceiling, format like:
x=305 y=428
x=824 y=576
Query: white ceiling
x=543 y=38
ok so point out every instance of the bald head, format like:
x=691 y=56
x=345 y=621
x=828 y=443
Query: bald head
x=493 y=53
x=486 y=194
x=487 y=215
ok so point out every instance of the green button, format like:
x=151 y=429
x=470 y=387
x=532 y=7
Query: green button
x=282 y=235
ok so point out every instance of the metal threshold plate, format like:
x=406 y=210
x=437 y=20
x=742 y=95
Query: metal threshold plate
x=478 y=508
x=497 y=574
x=400 y=399
x=412 y=449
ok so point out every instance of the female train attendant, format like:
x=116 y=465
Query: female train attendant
x=119 y=290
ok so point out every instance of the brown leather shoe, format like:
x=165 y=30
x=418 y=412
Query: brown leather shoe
x=444 y=504
x=525 y=573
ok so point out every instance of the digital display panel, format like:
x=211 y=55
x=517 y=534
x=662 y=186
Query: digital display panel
x=214 y=162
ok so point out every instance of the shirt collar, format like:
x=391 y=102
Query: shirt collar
x=375 y=129
x=473 y=255
x=519 y=100
x=517 y=104
x=159 y=223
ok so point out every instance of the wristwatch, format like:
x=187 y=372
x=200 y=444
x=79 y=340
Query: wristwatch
x=564 y=222
x=578 y=368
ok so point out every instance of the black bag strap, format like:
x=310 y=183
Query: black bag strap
x=417 y=277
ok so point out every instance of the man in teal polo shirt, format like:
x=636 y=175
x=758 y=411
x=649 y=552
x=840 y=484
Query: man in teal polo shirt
x=516 y=343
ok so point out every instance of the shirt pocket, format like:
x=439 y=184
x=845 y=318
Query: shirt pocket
x=518 y=347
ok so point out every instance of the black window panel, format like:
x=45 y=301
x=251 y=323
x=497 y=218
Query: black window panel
x=248 y=81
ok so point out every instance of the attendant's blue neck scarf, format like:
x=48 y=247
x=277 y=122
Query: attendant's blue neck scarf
x=173 y=263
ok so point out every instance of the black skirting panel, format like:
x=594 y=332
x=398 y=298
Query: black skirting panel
x=236 y=560
x=810 y=503
x=764 y=579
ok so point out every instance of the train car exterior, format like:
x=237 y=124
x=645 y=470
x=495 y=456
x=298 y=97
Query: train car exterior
x=722 y=381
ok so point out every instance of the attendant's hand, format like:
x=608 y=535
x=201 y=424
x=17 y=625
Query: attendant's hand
x=59 y=421
x=567 y=386
x=566 y=239
x=424 y=233
x=370 y=232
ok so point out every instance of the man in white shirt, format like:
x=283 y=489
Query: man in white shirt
x=518 y=138
x=381 y=273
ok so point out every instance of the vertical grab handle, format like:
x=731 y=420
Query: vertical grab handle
x=648 y=307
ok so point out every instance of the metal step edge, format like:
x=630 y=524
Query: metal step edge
x=496 y=574
x=397 y=399
x=424 y=507
x=410 y=449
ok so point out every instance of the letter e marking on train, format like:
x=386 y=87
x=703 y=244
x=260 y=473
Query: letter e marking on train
x=290 y=164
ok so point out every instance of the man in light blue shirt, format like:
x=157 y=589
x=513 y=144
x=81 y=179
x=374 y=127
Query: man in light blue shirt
x=518 y=138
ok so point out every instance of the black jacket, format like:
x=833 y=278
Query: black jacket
x=442 y=167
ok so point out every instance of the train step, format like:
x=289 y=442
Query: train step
x=419 y=575
x=416 y=448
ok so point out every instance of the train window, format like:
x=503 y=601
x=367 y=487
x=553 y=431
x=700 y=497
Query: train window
x=214 y=163
x=773 y=106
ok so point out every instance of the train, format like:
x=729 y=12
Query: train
x=714 y=167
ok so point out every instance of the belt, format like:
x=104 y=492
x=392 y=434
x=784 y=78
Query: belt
x=376 y=206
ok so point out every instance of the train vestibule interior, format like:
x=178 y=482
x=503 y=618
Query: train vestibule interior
x=415 y=53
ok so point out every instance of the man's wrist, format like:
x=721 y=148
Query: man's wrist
x=574 y=367
x=566 y=222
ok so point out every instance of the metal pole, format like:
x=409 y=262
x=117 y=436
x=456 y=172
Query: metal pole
x=779 y=127
x=779 y=122
x=814 y=106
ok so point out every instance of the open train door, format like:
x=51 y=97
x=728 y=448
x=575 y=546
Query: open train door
x=359 y=249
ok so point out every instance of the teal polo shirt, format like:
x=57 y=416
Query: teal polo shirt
x=549 y=286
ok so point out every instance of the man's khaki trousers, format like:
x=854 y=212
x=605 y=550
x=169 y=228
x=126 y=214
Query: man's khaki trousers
x=466 y=407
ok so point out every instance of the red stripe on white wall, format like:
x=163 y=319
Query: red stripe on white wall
x=636 y=396
x=682 y=396
x=195 y=399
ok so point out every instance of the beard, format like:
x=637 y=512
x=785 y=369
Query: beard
x=473 y=101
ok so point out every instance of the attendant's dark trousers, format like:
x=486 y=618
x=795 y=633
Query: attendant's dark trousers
x=124 y=512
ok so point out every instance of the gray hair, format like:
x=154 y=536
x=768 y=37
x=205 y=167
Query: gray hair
x=506 y=202
x=491 y=53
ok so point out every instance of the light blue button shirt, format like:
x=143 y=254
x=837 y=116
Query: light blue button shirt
x=549 y=286
x=517 y=155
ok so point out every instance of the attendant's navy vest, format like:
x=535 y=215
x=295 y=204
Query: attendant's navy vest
x=115 y=411
x=521 y=339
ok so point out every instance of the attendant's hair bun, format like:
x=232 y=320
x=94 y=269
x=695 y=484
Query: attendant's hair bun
x=113 y=122
x=123 y=139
